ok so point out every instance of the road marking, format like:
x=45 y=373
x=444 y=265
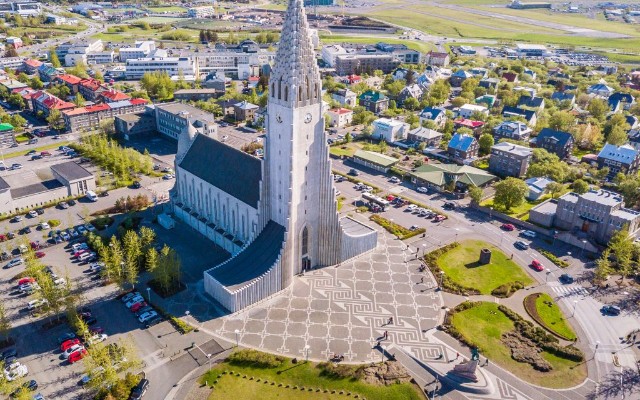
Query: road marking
x=570 y=290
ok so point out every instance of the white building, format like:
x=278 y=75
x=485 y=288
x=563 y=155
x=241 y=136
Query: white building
x=339 y=117
x=277 y=217
x=24 y=7
x=141 y=49
x=73 y=52
x=101 y=57
x=16 y=42
x=331 y=52
x=11 y=62
x=201 y=12
x=174 y=66
x=389 y=130
x=467 y=110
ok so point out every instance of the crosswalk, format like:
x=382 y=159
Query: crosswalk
x=570 y=290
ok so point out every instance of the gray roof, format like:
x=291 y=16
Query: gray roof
x=254 y=261
x=35 y=188
x=4 y=185
x=354 y=228
x=604 y=197
x=548 y=207
x=194 y=112
x=230 y=170
x=513 y=149
x=71 y=171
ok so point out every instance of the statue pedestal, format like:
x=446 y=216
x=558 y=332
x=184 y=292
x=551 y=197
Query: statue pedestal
x=466 y=369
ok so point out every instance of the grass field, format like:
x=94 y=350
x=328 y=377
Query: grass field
x=553 y=317
x=423 y=47
x=302 y=375
x=346 y=150
x=461 y=265
x=170 y=9
x=484 y=325
x=133 y=34
x=158 y=20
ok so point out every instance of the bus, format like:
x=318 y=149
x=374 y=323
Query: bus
x=375 y=200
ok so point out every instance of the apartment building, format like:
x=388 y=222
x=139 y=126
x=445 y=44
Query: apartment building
x=141 y=49
x=509 y=159
x=88 y=118
x=174 y=66
x=172 y=118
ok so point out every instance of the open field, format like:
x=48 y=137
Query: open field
x=158 y=20
x=170 y=9
x=461 y=265
x=483 y=326
x=133 y=34
x=552 y=316
x=423 y=47
x=300 y=374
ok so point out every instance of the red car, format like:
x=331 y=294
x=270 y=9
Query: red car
x=25 y=280
x=537 y=265
x=77 y=355
x=508 y=227
x=79 y=253
x=439 y=218
x=40 y=254
x=69 y=343
x=137 y=306
x=35 y=245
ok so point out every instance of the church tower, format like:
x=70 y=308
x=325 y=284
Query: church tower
x=300 y=192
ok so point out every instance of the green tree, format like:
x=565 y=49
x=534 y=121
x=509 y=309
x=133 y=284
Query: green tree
x=476 y=194
x=598 y=109
x=617 y=136
x=55 y=119
x=411 y=104
x=580 y=186
x=36 y=83
x=5 y=323
x=53 y=59
x=555 y=189
x=151 y=260
x=158 y=85
x=561 y=121
x=621 y=245
x=485 y=142
x=79 y=100
x=438 y=92
x=603 y=267
x=510 y=193
x=11 y=52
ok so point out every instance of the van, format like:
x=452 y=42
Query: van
x=91 y=195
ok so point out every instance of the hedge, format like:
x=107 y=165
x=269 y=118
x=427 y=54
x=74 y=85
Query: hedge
x=507 y=289
x=554 y=259
x=255 y=358
x=398 y=230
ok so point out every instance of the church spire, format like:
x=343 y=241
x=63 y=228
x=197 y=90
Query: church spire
x=295 y=79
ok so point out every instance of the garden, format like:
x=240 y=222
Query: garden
x=505 y=338
x=464 y=274
x=250 y=374
x=545 y=311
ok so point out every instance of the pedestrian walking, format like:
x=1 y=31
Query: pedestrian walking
x=386 y=335
x=487 y=363
x=457 y=355
x=390 y=320
x=512 y=256
x=422 y=279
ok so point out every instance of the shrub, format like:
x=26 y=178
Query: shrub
x=102 y=223
x=554 y=259
x=254 y=358
x=53 y=222
x=398 y=230
x=507 y=289
x=337 y=371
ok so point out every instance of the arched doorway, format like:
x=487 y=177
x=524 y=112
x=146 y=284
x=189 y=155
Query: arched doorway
x=304 y=249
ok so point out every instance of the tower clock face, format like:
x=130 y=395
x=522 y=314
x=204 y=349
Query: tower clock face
x=308 y=118
x=278 y=118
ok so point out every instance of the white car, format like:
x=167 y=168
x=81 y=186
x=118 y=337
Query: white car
x=37 y=303
x=101 y=337
x=147 y=316
x=44 y=226
x=29 y=287
x=90 y=227
x=23 y=248
x=79 y=246
x=394 y=180
x=59 y=281
x=422 y=189
x=64 y=235
x=129 y=296
x=19 y=371
x=134 y=300
x=529 y=234
x=72 y=349
x=96 y=267
x=33 y=214
x=14 y=262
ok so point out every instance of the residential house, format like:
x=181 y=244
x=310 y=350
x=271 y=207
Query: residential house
x=529 y=115
x=345 y=97
x=30 y=66
x=89 y=117
x=47 y=73
x=564 y=96
x=600 y=89
x=462 y=148
x=458 y=77
x=400 y=74
x=599 y=214
x=412 y=91
x=351 y=79
x=531 y=102
x=531 y=73
x=340 y=117
x=436 y=115
x=623 y=159
x=632 y=120
x=537 y=187
x=70 y=81
x=479 y=72
x=437 y=59
x=620 y=101
x=112 y=95
x=44 y=102
x=441 y=177
x=510 y=77
x=389 y=130
x=430 y=137
x=90 y=89
x=244 y=111
x=373 y=101
x=376 y=161
x=490 y=84
x=556 y=142
x=509 y=159
x=514 y=130
x=467 y=110
x=525 y=91
x=475 y=126
x=197 y=94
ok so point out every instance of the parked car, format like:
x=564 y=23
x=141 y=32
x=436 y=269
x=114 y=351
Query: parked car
x=422 y=189
x=507 y=227
x=139 y=390
x=69 y=343
x=40 y=254
x=147 y=316
x=101 y=337
x=63 y=205
x=354 y=172
x=44 y=226
x=521 y=245
x=72 y=202
x=439 y=218
x=449 y=205
x=537 y=265
x=37 y=303
x=136 y=185
x=16 y=371
x=14 y=262
x=25 y=280
x=25 y=230
x=40 y=211
x=77 y=355
x=134 y=308
x=611 y=310
x=17 y=218
x=90 y=227
x=66 y=336
x=566 y=279
x=529 y=234
x=134 y=300
x=129 y=296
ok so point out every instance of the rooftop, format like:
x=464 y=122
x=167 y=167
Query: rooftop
x=624 y=154
x=440 y=174
x=513 y=149
x=376 y=158
x=193 y=112
x=71 y=171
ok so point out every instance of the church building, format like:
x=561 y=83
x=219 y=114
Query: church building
x=277 y=217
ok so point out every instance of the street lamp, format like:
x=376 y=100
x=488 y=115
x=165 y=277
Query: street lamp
x=584 y=244
x=424 y=249
x=209 y=357
x=382 y=353
x=441 y=279
x=149 y=294
x=575 y=305
x=306 y=353
x=237 y=333
x=457 y=234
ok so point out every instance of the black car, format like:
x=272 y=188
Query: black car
x=11 y=235
x=26 y=230
x=611 y=310
x=353 y=172
x=30 y=152
x=136 y=185
x=9 y=354
x=154 y=321
x=66 y=336
x=449 y=205
x=88 y=319
x=566 y=278
x=71 y=202
x=141 y=388
x=521 y=245
x=4 y=255
x=40 y=211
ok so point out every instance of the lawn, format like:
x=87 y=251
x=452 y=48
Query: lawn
x=522 y=211
x=551 y=316
x=483 y=326
x=301 y=374
x=460 y=264
x=170 y=9
x=423 y=47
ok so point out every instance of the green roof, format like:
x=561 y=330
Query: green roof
x=6 y=127
x=371 y=95
x=440 y=174
x=375 y=158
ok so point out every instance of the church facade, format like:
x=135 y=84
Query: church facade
x=277 y=217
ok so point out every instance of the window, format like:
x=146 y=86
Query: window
x=305 y=241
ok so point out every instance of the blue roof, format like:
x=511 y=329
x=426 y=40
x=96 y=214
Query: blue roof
x=560 y=96
x=527 y=114
x=617 y=97
x=461 y=142
x=461 y=74
x=562 y=137
x=631 y=120
x=538 y=184
x=435 y=112
x=622 y=154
